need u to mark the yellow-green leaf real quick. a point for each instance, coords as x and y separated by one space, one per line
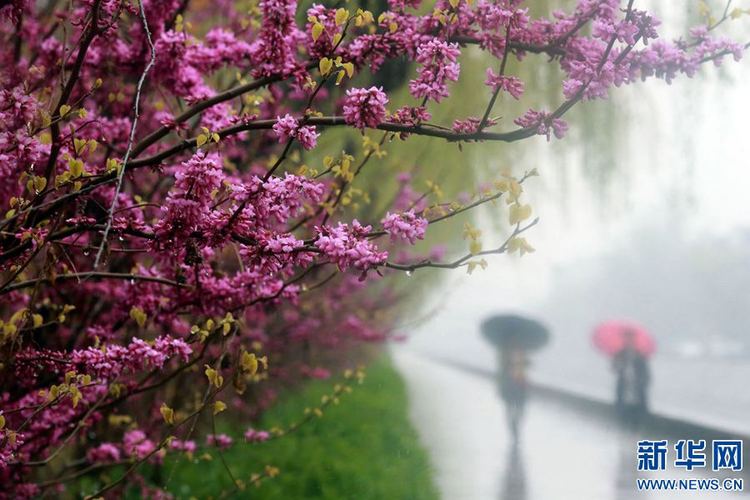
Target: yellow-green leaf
249 362
341 16
46 121
137 314
75 166
167 413
79 144
213 377
76 395
474 264
113 165
317 30
519 213
39 183
475 247
219 406
325 66
520 245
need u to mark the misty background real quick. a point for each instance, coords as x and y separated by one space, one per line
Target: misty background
643 215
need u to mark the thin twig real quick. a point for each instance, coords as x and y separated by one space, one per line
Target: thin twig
134 125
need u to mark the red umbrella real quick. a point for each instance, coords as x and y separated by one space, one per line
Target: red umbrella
611 337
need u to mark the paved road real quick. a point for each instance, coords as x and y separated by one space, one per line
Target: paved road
564 453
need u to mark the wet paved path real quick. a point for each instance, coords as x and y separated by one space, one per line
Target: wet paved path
564 453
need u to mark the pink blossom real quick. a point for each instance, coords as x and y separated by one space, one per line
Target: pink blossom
544 123
254 436
438 252
439 65
187 446
308 137
115 360
470 125
105 452
316 372
510 84
348 246
408 115
221 441
365 107
137 445
287 126
406 226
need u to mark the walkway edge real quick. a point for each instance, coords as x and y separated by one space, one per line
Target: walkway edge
667 425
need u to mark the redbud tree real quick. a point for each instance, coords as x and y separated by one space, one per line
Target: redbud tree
166 252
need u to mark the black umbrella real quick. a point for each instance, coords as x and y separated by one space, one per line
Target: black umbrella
509 330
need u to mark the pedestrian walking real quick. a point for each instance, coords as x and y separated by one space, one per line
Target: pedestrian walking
514 336
630 346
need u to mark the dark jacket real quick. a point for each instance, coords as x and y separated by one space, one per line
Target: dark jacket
633 377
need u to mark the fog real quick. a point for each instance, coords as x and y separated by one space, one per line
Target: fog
643 215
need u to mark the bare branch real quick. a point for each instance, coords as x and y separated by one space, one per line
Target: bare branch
131 138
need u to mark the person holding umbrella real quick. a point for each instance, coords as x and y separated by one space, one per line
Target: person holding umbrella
514 336
630 345
514 385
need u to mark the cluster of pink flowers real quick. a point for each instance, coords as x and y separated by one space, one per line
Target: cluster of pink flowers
510 84
187 446
273 50
111 361
405 226
188 208
323 45
365 108
221 441
543 122
104 453
470 125
136 444
410 115
347 246
439 65
287 127
255 436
